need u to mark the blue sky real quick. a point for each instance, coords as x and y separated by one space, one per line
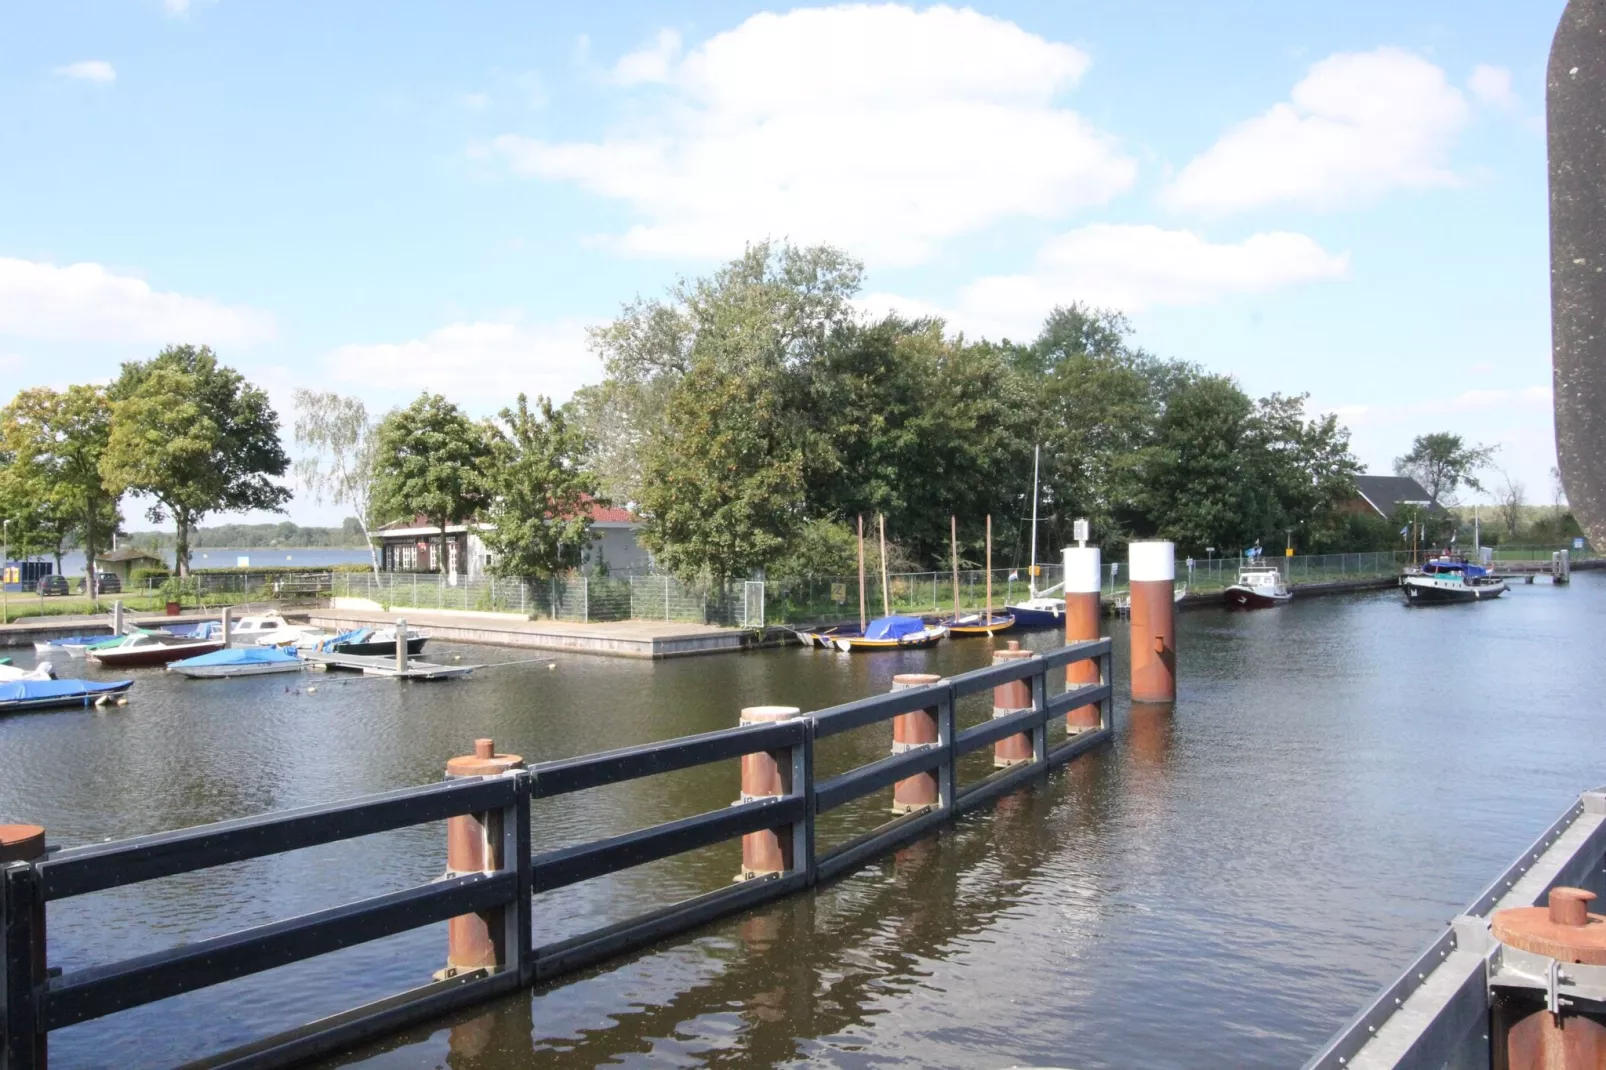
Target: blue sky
1346 200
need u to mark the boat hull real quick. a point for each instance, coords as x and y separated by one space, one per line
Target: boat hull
90 695
1249 598
1432 594
858 643
1036 618
217 672
964 626
141 656
415 645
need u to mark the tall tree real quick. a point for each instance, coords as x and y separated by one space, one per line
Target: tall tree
1442 462
1511 503
338 443
195 436
431 461
57 439
541 492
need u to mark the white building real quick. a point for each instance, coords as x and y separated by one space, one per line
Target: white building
415 546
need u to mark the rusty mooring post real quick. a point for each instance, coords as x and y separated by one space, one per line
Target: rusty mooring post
766 774
1524 1030
1012 698
22 947
1152 567
915 729
474 845
1083 572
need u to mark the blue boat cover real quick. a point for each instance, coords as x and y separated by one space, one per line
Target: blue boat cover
205 629
356 635
894 627
248 655
28 690
85 640
1464 567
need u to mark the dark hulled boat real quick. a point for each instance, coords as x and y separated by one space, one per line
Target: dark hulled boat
1446 580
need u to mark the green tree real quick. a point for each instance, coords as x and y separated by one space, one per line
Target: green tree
1441 463
338 442
431 461
56 439
541 492
196 437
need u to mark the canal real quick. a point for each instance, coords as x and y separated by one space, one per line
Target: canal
1222 887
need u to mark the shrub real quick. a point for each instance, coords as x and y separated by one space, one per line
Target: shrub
143 578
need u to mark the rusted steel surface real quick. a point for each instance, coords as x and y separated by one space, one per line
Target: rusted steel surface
766 774
914 730
1576 124
474 845
21 843
1008 698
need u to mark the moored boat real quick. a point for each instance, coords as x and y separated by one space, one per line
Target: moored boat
370 641
42 671
18 695
151 649
72 646
1038 612
1442 581
892 633
823 637
1258 586
977 624
237 661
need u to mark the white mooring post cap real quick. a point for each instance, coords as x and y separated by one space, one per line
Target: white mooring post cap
1084 570
1152 561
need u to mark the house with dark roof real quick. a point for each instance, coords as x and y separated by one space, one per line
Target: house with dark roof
415 545
122 563
1384 495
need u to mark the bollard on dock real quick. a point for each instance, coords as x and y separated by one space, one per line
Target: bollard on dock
1152 567
228 625
1012 698
766 774
26 843
914 730
1530 1034
1084 572
401 647
474 845
117 618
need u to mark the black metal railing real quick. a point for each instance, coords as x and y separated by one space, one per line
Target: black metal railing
35 1000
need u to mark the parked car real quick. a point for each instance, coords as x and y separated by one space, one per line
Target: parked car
52 584
105 582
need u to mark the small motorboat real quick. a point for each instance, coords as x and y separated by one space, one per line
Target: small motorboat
892 633
237 661
822 637
296 637
151 648
977 624
1258 586
18 695
248 631
71 646
1442 581
373 641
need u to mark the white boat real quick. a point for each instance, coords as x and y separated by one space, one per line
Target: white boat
72 646
248 631
1440 582
43 671
297 636
1258 586
237 661
1038 610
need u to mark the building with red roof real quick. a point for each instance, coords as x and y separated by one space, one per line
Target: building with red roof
415 545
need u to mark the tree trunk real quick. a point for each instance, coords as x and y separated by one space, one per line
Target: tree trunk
445 557
181 545
91 576
373 551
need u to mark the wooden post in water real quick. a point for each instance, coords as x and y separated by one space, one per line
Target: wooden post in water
886 595
953 535
117 617
863 621
401 646
474 845
228 624
766 774
910 730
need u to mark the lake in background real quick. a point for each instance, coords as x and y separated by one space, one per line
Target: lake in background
260 557
1223 886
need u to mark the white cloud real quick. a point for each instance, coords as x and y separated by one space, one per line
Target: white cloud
1492 85
176 7
484 363
88 303
89 70
1358 125
1130 268
880 128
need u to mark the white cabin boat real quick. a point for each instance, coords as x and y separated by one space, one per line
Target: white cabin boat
1259 586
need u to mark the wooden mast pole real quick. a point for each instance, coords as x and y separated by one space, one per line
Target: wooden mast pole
863 623
886 598
989 618
953 536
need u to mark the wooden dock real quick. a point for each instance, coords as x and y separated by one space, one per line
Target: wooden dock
382 665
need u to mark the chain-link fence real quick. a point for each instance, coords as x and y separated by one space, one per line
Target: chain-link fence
574 598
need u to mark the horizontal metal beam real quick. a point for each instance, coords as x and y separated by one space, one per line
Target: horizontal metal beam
1078 744
96 867
879 840
991 676
1081 651
867 711
631 763
101 990
1012 724
1079 696
571 865
565 956
868 778
1004 780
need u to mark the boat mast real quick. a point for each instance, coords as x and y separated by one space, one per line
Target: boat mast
989 618
862 621
953 536
886 600
1031 572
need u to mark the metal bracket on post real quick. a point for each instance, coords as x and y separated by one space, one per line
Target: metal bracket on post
947 778
22 1047
1107 704
518 939
1040 704
803 785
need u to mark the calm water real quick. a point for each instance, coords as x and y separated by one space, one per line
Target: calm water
1222 887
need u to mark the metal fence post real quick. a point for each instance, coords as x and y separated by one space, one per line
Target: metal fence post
516 852
1107 703
803 785
1040 704
947 779
23 1046
585 594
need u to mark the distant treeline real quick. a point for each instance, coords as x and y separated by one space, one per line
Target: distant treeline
286 534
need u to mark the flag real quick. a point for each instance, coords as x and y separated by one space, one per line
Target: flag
1014 574
1406 530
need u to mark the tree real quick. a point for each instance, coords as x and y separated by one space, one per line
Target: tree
541 492
430 462
1442 462
1511 503
337 464
56 440
197 437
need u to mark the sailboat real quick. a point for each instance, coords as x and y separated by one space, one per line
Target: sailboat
1039 610
986 623
887 632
